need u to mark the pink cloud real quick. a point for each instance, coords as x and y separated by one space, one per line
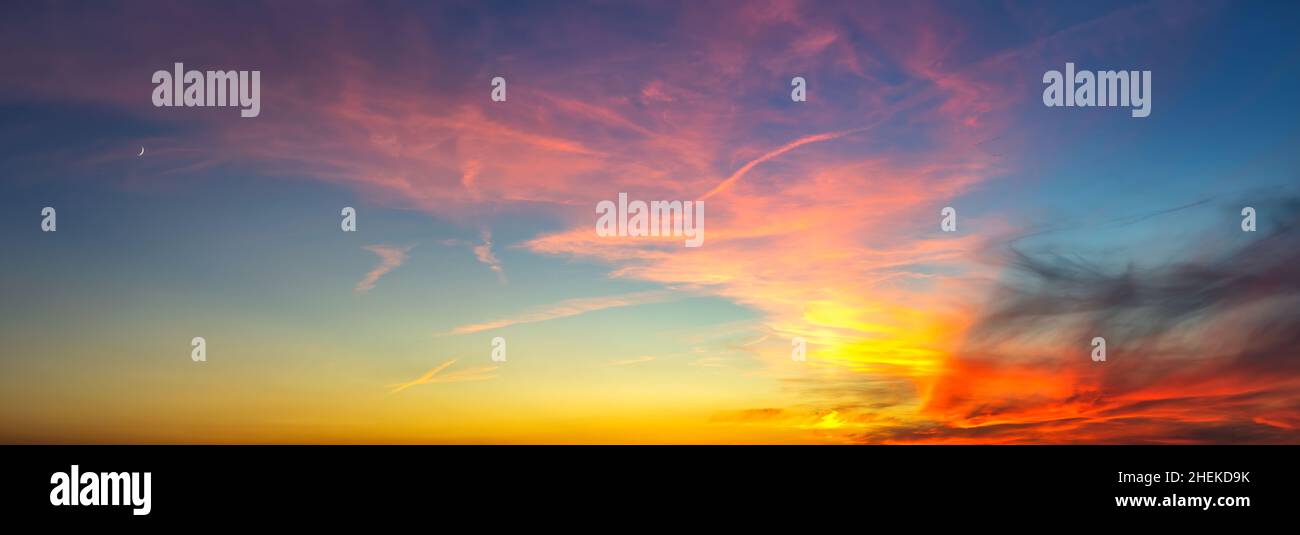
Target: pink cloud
390 257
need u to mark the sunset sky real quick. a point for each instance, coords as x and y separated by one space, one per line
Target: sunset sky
475 220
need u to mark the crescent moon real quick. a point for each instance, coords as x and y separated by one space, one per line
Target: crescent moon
141 152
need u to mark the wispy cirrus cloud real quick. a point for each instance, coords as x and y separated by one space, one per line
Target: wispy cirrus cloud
436 375
483 252
567 308
390 257
740 173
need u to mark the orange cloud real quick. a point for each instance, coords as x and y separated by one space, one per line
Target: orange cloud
435 375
